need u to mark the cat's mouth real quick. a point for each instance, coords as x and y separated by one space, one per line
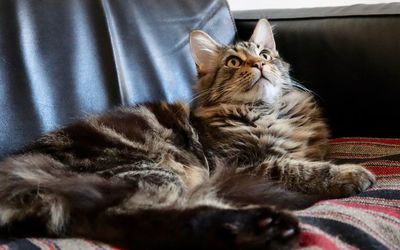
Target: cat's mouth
263 77
261 80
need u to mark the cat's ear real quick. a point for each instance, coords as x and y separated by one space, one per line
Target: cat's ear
204 49
263 35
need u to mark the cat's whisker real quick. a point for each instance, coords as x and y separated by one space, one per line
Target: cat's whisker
198 96
298 85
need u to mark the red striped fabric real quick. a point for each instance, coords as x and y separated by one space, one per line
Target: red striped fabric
370 220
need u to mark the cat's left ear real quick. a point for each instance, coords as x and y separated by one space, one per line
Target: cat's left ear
204 49
263 35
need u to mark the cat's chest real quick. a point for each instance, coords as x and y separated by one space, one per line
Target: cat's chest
261 127
250 132
262 118
265 124
253 123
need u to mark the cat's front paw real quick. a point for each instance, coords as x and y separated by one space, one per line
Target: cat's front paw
351 179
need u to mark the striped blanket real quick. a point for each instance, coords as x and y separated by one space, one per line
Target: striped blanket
370 220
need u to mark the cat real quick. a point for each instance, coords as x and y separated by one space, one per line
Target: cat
221 174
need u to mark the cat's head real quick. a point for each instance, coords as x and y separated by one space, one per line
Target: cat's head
242 73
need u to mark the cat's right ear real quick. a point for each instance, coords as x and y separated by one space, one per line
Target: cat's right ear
204 50
263 35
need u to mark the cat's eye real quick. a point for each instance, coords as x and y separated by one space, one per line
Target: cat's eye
265 55
233 62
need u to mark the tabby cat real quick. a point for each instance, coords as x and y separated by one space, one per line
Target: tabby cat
218 175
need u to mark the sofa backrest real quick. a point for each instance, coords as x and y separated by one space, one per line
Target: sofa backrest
61 60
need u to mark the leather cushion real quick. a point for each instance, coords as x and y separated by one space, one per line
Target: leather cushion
61 60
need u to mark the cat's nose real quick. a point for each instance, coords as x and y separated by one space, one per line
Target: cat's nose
258 65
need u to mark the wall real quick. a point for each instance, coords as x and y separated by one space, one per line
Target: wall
283 4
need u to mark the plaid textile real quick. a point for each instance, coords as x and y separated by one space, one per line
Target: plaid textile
53 244
370 220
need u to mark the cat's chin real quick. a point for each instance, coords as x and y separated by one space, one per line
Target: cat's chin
258 83
261 90
269 92
263 80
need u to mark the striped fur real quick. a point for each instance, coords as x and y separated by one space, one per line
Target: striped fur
165 175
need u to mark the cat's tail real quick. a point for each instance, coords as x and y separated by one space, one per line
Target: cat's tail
37 190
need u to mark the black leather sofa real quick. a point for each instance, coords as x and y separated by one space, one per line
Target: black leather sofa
61 60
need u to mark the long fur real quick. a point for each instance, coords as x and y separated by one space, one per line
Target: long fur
38 187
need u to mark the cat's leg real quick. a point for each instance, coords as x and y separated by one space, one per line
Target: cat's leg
176 207
39 187
202 227
40 197
317 177
38 190
159 183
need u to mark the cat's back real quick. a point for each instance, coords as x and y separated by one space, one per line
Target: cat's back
128 134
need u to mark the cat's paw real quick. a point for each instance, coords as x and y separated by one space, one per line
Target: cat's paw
351 179
256 228
264 228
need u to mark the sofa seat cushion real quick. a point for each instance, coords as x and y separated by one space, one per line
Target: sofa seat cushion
370 220
53 244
